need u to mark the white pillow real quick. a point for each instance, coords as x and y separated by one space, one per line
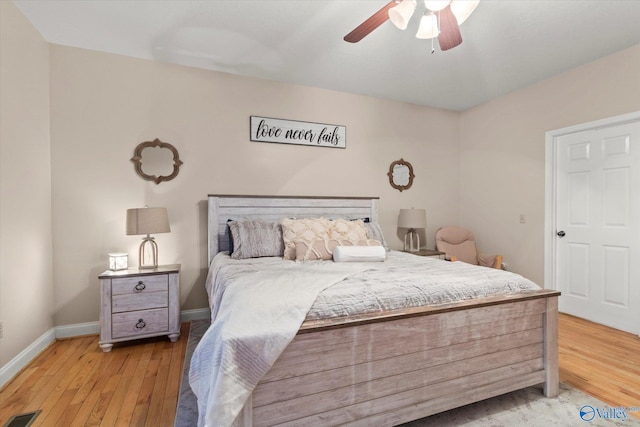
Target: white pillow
359 253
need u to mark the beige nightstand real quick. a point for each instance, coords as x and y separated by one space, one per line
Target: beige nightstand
430 253
138 304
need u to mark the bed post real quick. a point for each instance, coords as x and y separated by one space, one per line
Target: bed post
374 210
212 227
551 378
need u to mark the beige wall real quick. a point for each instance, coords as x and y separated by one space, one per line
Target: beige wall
502 159
104 105
481 168
26 291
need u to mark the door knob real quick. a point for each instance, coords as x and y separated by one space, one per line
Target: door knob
561 233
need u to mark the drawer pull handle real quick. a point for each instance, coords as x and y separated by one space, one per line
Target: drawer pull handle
140 324
140 286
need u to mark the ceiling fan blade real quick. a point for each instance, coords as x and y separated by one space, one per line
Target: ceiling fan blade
374 21
450 36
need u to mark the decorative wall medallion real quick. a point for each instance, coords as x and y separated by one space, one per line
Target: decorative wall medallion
401 175
156 161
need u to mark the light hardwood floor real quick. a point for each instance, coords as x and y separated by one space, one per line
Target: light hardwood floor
75 384
601 361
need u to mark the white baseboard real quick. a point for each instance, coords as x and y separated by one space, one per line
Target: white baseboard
77 330
8 371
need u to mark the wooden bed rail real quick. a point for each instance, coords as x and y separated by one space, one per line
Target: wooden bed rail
343 322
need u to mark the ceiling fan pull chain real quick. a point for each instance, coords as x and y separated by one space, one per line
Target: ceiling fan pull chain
433 49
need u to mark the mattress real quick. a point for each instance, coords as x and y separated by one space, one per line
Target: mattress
404 280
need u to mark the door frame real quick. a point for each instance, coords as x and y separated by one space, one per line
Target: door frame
550 226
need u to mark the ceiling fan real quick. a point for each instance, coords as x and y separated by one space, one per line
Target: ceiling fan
441 19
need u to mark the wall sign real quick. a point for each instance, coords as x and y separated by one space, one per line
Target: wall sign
265 129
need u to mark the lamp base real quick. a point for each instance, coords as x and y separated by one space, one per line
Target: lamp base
412 236
148 259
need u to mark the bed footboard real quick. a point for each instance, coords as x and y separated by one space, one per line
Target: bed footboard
404 366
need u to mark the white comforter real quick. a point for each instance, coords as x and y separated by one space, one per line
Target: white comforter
258 304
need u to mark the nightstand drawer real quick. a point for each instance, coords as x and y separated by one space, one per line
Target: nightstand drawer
141 301
141 322
141 284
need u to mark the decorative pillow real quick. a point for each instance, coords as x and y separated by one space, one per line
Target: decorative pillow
256 238
323 249
353 231
228 237
318 249
375 232
302 230
359 253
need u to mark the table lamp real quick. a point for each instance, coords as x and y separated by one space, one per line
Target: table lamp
147 221
413 219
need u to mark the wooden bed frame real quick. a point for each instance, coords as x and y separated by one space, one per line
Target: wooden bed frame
391 368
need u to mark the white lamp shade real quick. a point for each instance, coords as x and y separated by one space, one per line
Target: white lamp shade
412 218
436 5
147 221
462 9
428 28
401 13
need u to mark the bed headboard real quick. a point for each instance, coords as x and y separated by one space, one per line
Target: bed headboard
274 208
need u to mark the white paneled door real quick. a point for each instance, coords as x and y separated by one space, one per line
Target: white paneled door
597 224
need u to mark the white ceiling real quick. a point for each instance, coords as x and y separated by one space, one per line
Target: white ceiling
508 44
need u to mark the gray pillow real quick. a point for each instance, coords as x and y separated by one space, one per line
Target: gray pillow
256 238
375 232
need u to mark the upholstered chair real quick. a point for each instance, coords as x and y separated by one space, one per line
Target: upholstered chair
459 245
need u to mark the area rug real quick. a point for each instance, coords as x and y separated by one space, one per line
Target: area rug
527 407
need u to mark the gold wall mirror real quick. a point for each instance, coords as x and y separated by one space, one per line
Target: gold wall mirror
156 161
400 175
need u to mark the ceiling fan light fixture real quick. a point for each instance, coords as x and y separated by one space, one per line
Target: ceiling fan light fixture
462 9
401 13
436 5
441 20
428 28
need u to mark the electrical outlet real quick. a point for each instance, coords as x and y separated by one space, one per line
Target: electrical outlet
523 218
